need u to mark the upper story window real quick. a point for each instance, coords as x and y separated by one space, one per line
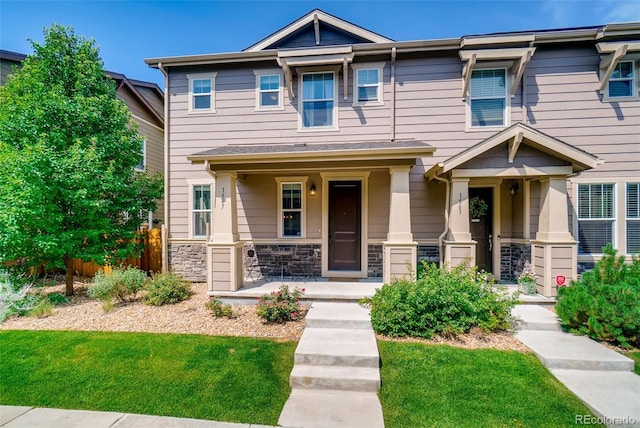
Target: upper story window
619 66
596 217
633 218
268 90
367 85
318 100
202 93
488 100
622 80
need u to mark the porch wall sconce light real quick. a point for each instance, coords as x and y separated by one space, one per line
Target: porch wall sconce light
312 189
513 190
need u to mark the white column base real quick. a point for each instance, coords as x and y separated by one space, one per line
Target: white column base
224 266
399 260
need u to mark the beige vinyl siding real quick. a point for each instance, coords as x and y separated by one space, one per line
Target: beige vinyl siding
154 155
427 206
379 199
153 98
534 207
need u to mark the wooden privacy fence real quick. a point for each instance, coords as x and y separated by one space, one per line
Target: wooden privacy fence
150 260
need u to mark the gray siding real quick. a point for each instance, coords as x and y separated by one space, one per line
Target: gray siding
562 101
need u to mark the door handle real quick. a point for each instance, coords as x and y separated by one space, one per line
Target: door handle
490 242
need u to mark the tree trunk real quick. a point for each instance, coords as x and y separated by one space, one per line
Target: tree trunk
68 262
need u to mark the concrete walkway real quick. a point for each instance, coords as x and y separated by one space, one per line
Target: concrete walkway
22 417
601 378
336 375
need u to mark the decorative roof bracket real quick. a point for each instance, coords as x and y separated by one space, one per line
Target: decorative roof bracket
514 145
608 64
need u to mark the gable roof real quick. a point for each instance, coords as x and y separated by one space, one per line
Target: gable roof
314 18
517 134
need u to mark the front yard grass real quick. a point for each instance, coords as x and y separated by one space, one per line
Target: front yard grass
233 379
442 386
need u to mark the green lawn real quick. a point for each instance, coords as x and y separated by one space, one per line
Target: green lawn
220 378
635 356
442 386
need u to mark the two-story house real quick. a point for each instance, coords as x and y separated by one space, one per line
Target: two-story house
367 155
145 101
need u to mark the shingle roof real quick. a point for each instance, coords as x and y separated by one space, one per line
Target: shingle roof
313 148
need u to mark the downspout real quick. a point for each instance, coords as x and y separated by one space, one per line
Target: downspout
393 94
446 218
165 225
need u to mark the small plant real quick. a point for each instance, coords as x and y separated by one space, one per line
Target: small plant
15 298
57 299
166 288
220 310
527 281
280 306
42 310
121 284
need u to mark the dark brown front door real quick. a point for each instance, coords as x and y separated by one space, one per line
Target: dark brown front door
482 227
344 225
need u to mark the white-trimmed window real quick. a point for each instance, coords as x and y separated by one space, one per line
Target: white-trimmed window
633 218
200 209
367 84
202 92
318 100
488 99
291 206
596 217
622 80
268 90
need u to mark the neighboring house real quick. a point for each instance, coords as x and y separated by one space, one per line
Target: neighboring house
145 101
328 139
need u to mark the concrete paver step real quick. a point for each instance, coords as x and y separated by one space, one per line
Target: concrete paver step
327 409
337 346
336 378
338 315
535 317
558 350
612 396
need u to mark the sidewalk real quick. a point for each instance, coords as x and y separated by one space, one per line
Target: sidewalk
603 379
22 417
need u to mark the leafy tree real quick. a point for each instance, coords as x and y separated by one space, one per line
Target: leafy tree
68 150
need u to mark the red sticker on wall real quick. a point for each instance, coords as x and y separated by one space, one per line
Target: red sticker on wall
560 280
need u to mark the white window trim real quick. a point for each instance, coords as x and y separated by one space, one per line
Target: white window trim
144 156
302 180
202 76
626 215
336 103
615 231
191 185
368 66
270 72
634 59
507 103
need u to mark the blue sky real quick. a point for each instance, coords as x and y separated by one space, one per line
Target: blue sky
129 31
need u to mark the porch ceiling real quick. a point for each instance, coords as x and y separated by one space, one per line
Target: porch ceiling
517 135
372 154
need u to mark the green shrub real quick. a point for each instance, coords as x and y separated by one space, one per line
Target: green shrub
42 310
604 302
441 301
280 306
57 299
165 288
219 310
121 284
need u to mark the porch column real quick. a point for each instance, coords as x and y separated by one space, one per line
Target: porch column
554 251
459 247
224 251
400 250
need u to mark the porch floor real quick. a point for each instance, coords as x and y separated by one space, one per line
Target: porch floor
321 290
339 291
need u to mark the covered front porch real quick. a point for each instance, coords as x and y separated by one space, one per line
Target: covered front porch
507 207
336 211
